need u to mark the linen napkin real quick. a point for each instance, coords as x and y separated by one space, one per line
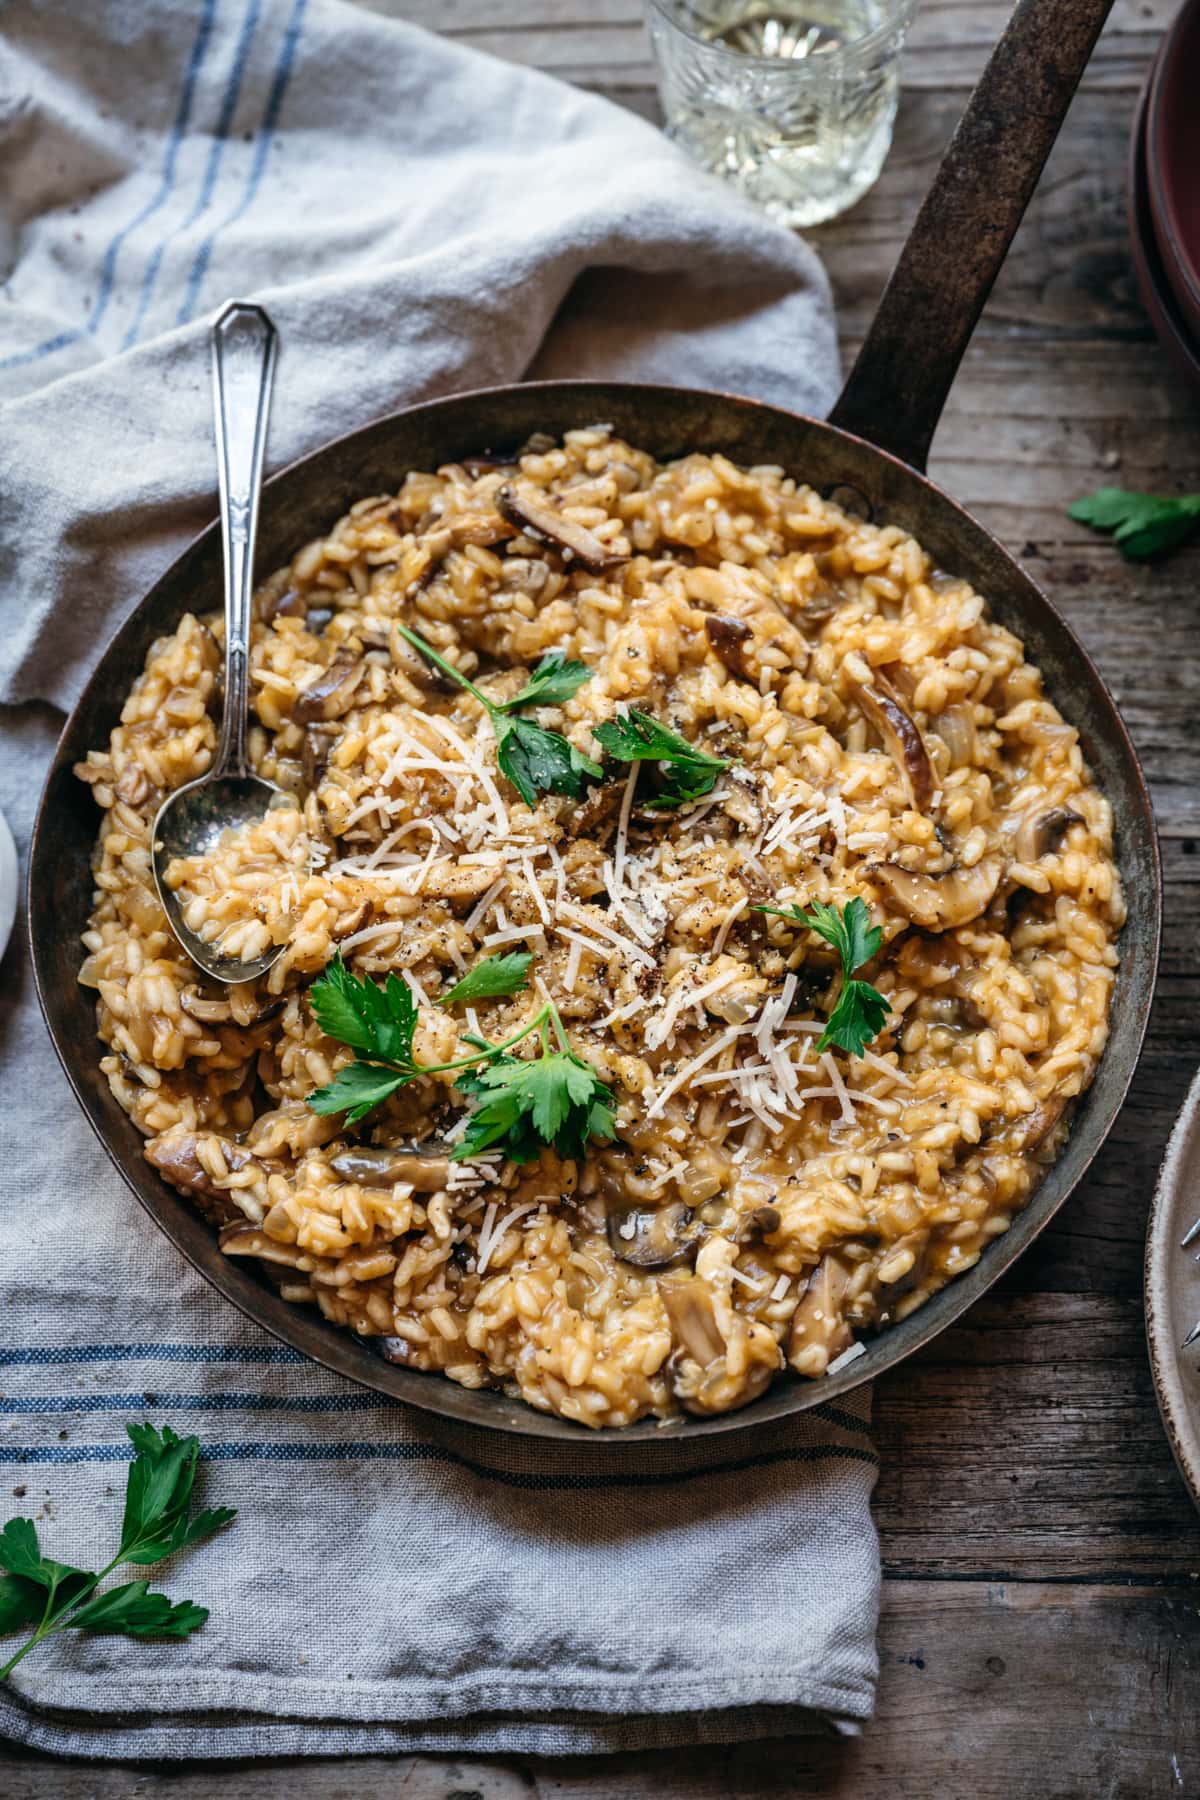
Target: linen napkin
417 218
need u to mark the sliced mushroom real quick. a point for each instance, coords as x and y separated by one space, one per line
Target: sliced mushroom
698 1368
1041 833
437 1353
174 1155
331 694
362 915
956 728
689 1307
212 1011
940 902
657 1238
729 636
314 755
132 785
372 1167
881 704
546 525
526 575
595 816
903 1264
286 605
483 464
199 1006
818 611
762 1222
1034 1128
818 1330
249 1240
317 618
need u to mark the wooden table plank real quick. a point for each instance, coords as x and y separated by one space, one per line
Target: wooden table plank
960 1662
1039 1637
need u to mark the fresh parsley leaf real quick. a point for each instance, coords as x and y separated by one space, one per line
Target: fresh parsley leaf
22 1602
690 772
158 1496
21 1554
554 681
132 1609
53 1596
850 931
378 1023
859 1016
523 1105
490 979
861 1010
535 760
1142 525
356 1090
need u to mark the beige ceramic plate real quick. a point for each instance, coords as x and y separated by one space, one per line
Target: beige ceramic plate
1173 1291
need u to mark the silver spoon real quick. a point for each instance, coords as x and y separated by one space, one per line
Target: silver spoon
190 820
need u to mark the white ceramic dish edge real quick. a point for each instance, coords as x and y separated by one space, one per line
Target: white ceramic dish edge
1173 1291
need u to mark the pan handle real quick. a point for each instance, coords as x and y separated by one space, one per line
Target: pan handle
898 386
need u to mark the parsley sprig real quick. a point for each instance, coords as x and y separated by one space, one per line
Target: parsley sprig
861 1010
556 1098
1142 525
53 1596
523 1104
690 772
536 761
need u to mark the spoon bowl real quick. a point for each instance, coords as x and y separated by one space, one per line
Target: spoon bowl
191 821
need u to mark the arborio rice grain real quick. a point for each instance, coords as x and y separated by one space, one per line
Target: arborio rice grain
764 1205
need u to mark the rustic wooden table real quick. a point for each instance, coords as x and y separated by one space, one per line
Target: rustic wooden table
1041 1627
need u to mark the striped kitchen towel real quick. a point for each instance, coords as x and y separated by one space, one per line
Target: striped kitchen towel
414 216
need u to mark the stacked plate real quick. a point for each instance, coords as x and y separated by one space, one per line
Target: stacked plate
1164 193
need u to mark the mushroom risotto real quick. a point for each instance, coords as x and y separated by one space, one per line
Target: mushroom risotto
696 925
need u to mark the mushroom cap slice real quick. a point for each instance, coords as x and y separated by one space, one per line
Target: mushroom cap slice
940 902
693 1319
545 524
1040 833
175 1154
244 1239
330 695
698 1367
728 636
818 1326
881 704
370 1166
654 1238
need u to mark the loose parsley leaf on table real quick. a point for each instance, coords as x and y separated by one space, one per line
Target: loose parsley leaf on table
1142 525
522 1104
861 1010
535 760
53 1596
691 772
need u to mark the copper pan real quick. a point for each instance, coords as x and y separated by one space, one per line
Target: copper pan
876 444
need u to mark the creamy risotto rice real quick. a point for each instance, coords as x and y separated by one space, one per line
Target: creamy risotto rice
764 1204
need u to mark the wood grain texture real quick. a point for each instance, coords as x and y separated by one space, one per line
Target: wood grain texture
1040 1635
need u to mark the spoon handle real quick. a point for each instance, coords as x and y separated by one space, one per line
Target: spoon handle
243 365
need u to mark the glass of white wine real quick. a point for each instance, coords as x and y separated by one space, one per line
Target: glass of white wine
791 100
